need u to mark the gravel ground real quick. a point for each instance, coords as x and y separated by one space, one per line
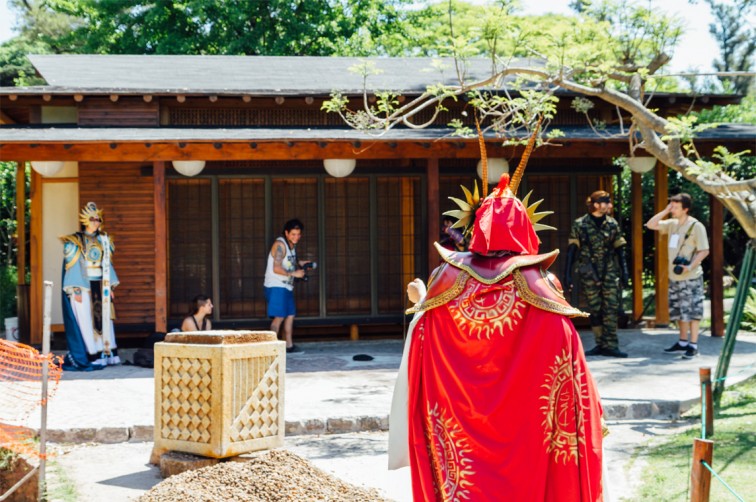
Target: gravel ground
274 476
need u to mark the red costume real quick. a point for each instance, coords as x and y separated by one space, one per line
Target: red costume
500 403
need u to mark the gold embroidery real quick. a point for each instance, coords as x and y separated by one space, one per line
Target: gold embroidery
74 253
523 262
543 303
481 311
564 421
437 301
447 450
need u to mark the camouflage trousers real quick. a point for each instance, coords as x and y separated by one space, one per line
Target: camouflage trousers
603 305
686 299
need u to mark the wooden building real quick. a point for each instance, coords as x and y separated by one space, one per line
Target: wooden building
119 122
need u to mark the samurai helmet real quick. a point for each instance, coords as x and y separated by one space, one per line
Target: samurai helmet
89 213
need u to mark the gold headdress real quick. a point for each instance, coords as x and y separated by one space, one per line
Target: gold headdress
468 208
90 211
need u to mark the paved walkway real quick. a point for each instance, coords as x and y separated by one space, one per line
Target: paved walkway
328 392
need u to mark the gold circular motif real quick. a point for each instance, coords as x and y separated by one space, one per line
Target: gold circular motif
447 449
483 311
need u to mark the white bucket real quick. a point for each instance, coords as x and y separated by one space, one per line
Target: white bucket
11 329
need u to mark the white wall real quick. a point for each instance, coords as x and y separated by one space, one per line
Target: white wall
60 208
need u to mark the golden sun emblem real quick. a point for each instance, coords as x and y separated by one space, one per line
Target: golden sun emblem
447 450
484 311
564 420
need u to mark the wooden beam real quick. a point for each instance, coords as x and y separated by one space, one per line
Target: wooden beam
5 119
238 150
161 248
636 236
716 244
21 221
35 242
661 265
434 212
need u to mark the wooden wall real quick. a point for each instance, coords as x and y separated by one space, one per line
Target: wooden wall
126 195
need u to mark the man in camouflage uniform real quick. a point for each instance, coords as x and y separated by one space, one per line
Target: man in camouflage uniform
597 244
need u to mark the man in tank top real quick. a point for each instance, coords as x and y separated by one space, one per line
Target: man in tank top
283 267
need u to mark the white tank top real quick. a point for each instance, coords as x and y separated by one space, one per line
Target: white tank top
274 280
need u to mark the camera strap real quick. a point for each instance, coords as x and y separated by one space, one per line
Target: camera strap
685 238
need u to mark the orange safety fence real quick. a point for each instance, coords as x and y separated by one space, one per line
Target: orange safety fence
21 369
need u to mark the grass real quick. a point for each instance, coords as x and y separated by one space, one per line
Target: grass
60 487
667 473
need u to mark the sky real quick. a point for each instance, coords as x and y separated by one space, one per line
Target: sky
697 48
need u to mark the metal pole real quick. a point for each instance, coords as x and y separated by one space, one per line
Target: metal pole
736 315
43 426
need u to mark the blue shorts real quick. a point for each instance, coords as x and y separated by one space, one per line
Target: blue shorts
280 302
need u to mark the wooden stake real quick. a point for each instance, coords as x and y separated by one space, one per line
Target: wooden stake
700 476
707 403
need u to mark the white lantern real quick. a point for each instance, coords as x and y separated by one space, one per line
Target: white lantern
496 167
641 164
339 168
47 167
189 167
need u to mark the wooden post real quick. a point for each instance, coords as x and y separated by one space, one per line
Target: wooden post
35 244
661 265
636 222
434 212
21 221
700 476
707 403
161 248
716 245
354 332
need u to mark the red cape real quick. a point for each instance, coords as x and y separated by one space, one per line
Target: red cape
501 403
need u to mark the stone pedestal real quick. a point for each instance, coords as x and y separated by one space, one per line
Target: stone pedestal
219 393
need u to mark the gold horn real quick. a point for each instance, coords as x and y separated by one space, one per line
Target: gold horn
483 158
517 177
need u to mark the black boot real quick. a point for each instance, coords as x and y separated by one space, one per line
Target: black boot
595 351
613 353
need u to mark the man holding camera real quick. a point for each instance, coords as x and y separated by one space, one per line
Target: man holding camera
688 247
597 244
283 268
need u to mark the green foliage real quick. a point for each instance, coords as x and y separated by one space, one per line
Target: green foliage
748 323
742 113
8 282
15 67
273 27
7 459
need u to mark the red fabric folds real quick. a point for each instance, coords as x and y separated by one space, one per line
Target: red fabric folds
502 224
501 403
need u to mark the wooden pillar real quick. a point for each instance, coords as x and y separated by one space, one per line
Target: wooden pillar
661 257
21 221
636 220
434 212
354 332
161 248
700 476
35 245
716 255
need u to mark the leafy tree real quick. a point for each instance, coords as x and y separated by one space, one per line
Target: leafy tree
735 32
252 27
611 53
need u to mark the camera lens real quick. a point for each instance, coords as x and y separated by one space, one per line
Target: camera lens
678 269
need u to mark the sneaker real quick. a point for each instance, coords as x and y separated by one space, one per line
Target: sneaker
690 353
293 348
595 351
613 353
676 348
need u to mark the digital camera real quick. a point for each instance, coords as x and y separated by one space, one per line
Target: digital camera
307 267
678 263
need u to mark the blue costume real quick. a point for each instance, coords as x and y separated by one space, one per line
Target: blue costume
87 279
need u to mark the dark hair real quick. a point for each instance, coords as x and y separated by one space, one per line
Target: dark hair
596 197
197 303
293 224
683 198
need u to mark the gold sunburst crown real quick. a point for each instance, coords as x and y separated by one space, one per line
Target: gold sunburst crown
90 210
469 206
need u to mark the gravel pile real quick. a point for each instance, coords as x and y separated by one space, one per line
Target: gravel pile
277 475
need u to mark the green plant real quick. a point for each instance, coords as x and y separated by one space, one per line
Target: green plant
749 312
8 282
6 459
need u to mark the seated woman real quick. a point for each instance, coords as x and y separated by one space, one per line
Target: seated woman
199 319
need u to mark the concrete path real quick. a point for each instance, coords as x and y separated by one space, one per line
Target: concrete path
330 398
